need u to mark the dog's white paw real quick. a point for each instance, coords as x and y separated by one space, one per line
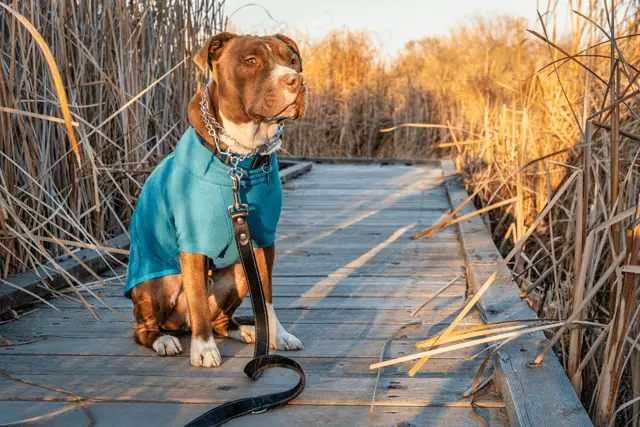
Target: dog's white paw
167 345
244 333
286 341
205 353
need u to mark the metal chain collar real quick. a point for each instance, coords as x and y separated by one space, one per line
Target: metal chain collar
213 127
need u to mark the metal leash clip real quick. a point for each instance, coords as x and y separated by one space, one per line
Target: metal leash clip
235 174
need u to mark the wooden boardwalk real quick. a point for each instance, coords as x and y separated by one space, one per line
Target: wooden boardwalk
346 278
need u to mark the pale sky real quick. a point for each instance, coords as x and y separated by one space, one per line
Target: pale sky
392 22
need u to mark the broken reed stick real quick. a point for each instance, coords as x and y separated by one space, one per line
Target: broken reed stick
476 328
471 334
448 222
404 328
433 230
441 290
428 126
475 387
35 115
455 144
501 266
466 344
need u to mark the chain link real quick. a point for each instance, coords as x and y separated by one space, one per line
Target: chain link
213 127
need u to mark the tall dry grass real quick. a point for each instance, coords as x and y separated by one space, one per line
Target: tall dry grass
124 68
353 93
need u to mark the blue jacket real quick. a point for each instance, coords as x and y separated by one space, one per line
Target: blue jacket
183 208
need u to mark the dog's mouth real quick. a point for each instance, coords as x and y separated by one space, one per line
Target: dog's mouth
293 111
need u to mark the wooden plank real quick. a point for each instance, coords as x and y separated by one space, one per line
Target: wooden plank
304 331
125 346
306 283
354 303
206 388
394 262
338 290
431 163
11 298
108 414
232 367
293 270
362 245
293 169
428 317
556 402
398 255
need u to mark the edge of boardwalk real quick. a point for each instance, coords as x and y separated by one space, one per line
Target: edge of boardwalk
540 396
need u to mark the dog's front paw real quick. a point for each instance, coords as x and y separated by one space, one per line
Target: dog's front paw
244 333
286 341
166 345
205 353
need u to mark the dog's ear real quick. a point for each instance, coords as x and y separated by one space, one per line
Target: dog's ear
292 45
211 50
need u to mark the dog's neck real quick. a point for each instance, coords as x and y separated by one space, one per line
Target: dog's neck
249 133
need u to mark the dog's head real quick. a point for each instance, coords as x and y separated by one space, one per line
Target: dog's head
257 77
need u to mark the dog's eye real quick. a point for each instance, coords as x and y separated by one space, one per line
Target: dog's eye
294 60
250 60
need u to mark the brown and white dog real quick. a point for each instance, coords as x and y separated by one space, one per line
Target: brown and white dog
257 83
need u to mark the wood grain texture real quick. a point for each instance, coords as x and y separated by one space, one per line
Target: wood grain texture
177 415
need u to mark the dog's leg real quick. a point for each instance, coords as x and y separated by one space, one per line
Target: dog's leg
279 338
229 289
204 351
153 301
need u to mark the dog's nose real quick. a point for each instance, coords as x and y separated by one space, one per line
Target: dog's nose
294 81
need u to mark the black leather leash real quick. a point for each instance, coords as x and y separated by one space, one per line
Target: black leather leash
262 360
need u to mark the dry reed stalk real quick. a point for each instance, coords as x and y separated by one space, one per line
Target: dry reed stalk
447 223
466 344
461 336
622 321
441 290
55 75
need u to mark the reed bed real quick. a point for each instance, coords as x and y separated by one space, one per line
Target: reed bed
123 87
